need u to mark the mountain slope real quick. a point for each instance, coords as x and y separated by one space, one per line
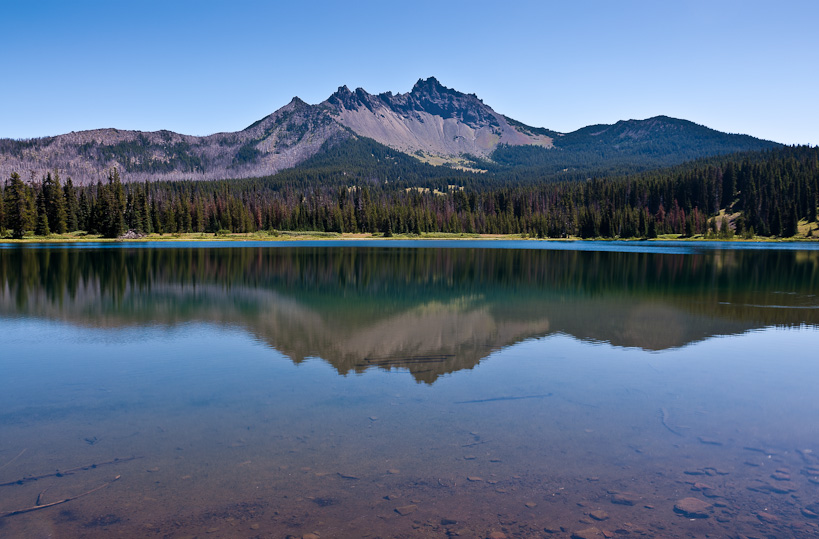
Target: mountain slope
622 148
431 119
433 123
278 141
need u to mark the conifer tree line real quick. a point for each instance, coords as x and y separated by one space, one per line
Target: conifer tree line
764 193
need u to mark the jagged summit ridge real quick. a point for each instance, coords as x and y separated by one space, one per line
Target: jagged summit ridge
430 120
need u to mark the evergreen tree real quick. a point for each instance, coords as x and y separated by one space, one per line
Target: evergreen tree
71 206
729 185
83 212
54 200
156 218
775 226
652 228
790 225
110 206
2 212
725 231
18 217
117 219
41 227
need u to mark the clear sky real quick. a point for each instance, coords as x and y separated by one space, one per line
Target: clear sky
199 67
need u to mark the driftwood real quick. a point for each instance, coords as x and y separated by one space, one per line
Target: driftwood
495 399
61 473
39 506
473 444
20 454
664 419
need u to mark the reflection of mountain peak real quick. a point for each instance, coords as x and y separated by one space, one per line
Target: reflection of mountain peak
429 311
429 340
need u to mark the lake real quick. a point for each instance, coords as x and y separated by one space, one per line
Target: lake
409 389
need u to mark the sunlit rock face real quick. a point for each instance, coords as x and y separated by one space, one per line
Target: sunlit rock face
431 119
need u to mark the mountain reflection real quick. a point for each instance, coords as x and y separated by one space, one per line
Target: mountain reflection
429 310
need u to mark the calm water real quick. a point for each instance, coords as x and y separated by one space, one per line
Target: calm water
409 390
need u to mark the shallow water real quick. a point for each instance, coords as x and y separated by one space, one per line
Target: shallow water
383 391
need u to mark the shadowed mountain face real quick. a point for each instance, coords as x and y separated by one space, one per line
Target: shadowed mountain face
431 122
431 311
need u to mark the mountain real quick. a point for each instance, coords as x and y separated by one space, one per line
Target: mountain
279 141
433 123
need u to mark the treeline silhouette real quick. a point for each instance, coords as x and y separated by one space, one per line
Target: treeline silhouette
763 193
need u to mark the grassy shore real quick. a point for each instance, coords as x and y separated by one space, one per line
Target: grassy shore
273 236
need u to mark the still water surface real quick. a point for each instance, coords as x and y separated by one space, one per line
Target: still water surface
402 390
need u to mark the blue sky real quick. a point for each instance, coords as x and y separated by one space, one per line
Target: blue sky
199 67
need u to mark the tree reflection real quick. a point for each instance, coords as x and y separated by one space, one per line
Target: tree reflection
429 310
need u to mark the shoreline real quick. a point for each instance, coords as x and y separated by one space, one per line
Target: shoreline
331 236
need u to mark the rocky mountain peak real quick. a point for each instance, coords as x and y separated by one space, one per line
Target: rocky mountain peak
345 98
429 86
430 119
429 95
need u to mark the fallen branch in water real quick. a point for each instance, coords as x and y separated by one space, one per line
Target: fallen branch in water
664 419
60 473
52 504
473 444
495 399
20 454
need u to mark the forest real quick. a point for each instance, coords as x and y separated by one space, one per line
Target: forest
369 189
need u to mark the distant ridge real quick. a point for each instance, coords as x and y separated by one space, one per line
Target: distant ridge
433 123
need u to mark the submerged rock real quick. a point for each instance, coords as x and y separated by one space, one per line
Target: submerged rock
405 510
781 475
771 488
693 508
809 513
624 498
767 517
588 533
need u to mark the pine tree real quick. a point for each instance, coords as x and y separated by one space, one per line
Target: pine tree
729 185
156 219
790 224
71 206
652 228
54 200
775 226
111 205
117 219
2 212
18 217
83 212
725 231
41 227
